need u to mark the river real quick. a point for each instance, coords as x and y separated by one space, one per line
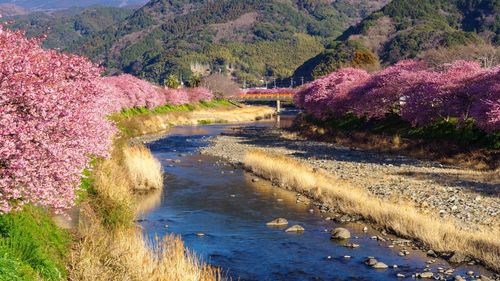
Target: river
202 194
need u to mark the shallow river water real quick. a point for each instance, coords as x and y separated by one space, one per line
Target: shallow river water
204 195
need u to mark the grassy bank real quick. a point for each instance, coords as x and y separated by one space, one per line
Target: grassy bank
142 121
444 140
32 247
398 217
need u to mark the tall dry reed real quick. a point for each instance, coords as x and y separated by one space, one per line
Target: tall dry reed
111 247
143 169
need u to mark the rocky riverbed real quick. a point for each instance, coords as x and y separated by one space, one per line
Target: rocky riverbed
469 197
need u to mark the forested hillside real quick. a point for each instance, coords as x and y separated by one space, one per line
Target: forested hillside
68 27
406 27
44 5
260 40
248 39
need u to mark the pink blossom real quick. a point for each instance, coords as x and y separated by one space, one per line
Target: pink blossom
421 95
53 119
51 122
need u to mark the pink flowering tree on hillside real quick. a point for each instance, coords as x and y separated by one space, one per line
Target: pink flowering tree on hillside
51 122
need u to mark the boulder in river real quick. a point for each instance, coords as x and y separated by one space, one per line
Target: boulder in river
371 261
458 258
340 233
380 265
278 222
431 253
295 228
425 275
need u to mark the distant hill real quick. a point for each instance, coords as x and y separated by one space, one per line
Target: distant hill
68 27
250 39
43 5
406 29
8 10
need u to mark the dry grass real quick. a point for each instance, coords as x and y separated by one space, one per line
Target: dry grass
160 122
110 246
401 218
125 254
143 169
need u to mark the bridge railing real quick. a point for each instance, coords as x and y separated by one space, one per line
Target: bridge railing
257 96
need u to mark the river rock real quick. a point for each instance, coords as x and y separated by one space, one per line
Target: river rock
459 278
340 233
399 275
380 265
278 222
351 245
485 278
371 261
458 258
255 180
425 275
295 228
431 253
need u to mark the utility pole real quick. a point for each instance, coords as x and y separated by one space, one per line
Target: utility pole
291 82
302 80
275 83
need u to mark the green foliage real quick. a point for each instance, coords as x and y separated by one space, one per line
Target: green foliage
166 37
426 24
194 81
338 54
172 82
31 246
65 28
130 112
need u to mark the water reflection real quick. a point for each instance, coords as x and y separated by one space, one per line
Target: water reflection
204 195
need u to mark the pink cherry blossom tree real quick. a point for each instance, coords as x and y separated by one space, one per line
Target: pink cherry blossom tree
51 122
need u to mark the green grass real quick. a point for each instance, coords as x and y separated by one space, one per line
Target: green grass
32 247
208 122
462 134
130 112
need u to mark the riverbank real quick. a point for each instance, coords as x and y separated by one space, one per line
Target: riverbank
444 142
467 199
111 246
140 122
